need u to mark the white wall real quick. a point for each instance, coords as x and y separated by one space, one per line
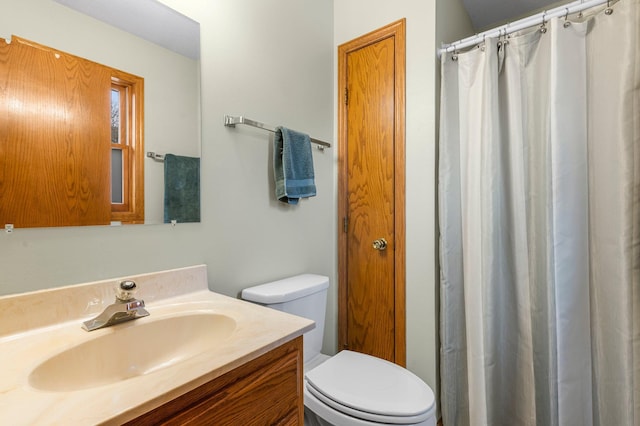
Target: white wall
452 23
271 60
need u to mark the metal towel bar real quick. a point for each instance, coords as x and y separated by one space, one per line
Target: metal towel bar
158 157
231 121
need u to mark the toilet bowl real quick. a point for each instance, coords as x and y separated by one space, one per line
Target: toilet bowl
348 388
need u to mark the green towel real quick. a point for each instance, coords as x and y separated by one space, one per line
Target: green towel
181 189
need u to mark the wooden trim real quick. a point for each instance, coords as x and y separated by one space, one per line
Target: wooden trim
397 31
123 146
400 246
342 196
135 150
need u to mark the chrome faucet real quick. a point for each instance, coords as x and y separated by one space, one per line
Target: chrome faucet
125 308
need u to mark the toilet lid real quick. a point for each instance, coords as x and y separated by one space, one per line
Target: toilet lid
365 384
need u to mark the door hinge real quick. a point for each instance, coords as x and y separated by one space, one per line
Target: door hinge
345 224
346 96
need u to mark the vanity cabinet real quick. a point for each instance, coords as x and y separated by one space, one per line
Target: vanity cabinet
265 391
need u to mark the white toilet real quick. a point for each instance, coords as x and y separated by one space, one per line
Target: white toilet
349 388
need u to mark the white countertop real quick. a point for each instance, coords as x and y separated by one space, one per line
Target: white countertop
25 345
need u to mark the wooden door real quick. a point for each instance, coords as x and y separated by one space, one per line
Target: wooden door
53 172
371 194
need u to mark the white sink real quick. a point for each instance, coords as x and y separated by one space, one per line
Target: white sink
54 372
132 349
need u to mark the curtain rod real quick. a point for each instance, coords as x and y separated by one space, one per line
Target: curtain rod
231 121
511 27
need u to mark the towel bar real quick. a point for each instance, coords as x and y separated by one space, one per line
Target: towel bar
158 157
231 121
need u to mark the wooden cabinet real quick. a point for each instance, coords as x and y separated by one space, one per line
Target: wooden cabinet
265 391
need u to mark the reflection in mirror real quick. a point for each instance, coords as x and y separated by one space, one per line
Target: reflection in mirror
57 120
171 80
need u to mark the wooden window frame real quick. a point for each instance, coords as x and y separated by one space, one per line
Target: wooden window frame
131 210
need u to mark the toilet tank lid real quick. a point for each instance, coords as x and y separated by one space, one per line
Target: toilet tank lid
287 289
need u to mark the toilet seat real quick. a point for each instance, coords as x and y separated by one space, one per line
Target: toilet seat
370 389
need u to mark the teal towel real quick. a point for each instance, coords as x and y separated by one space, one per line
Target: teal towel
181 189
293 166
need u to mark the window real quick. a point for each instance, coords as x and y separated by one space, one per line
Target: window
119 144
127 189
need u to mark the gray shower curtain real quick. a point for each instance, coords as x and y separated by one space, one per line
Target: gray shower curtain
539 206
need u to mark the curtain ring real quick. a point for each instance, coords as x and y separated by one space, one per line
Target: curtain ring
502 37
566 24
580 13
543 27
505 36
609 9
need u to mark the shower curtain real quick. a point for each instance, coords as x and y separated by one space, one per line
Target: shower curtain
539 210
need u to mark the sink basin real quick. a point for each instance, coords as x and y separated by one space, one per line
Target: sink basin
131 349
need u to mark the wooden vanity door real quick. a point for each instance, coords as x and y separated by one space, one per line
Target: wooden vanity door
265 391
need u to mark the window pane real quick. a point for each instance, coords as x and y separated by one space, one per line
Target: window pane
115 116
116 176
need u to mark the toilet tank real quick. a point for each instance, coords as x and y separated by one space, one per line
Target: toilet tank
303 295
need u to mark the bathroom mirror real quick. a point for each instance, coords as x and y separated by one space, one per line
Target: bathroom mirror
144 38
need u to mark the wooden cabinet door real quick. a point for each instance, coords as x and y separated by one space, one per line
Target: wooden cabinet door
265 391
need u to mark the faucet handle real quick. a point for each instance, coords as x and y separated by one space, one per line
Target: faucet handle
126 290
